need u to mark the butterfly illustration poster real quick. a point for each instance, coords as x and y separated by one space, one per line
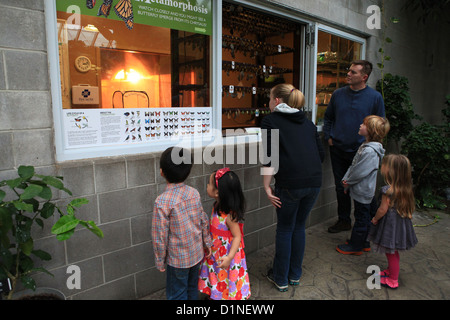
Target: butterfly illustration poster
185 15
111 127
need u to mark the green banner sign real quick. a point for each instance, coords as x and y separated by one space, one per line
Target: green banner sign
186 15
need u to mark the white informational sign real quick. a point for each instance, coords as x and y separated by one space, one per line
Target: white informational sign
108 127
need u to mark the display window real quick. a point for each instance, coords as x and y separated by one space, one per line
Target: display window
126 54
136 76
334 55
259 50
134 71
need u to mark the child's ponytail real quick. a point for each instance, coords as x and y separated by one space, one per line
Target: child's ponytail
231 197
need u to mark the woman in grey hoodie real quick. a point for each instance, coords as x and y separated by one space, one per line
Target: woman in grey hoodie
361 178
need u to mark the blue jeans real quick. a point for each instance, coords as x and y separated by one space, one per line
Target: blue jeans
296 204
363 214
182 283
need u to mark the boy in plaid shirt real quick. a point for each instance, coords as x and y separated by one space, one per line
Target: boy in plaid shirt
180 227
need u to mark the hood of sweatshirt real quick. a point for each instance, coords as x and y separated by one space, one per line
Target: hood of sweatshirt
292 114
378 147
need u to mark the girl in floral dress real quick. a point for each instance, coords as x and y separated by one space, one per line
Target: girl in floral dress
223 275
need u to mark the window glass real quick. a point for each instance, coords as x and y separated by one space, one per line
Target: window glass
260 50
132 71
125 64
334 55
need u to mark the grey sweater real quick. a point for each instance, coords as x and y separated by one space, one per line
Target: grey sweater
361 176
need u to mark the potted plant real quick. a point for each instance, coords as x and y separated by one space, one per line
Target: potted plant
29 204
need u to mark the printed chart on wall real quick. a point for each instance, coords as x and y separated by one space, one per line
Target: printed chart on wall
186 15
108 127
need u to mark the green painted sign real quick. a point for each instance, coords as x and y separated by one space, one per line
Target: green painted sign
186 15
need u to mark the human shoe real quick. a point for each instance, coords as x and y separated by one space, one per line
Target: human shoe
348 249
294 283
389 283
340 226
366 246
271 279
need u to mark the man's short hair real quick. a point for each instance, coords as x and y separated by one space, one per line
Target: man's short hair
367 66
176 164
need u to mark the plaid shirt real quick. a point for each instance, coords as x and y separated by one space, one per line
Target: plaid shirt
180 228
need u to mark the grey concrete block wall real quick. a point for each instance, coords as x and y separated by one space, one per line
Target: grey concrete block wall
121 265
122 190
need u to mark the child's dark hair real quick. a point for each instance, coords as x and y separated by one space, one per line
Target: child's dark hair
231 197
176 164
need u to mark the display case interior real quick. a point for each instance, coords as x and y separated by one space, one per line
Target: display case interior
146 67
258 51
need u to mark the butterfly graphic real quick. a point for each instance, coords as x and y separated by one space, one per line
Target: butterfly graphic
105 8
90 4
124 10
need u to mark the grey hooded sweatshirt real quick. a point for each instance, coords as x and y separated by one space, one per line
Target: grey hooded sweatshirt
361 176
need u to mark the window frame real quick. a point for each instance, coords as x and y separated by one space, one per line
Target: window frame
67 154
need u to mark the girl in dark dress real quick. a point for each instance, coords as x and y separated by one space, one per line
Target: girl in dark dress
392 230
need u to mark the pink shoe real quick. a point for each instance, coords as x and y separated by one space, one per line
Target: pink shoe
389 283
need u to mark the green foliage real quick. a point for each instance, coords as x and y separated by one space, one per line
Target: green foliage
31 204
399 109
427 147
436 10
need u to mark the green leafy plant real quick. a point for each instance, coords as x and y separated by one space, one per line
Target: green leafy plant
399 109
31 204
427 147
436 10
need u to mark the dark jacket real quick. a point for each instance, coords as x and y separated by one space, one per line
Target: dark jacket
300 150
346 111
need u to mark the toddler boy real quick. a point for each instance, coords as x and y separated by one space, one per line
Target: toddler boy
180 228
361 178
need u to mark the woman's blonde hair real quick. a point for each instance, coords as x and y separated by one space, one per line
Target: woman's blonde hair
294 98
377 128
398 176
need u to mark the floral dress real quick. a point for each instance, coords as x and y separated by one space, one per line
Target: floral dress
220 284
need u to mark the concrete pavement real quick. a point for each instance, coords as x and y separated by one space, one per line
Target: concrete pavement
329 275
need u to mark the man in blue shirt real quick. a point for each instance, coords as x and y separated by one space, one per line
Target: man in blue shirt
346 111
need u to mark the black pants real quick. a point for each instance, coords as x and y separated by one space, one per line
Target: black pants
341 161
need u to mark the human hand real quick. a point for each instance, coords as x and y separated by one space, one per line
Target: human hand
330 142
224 262
276 202
374 221
345 185
208 252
